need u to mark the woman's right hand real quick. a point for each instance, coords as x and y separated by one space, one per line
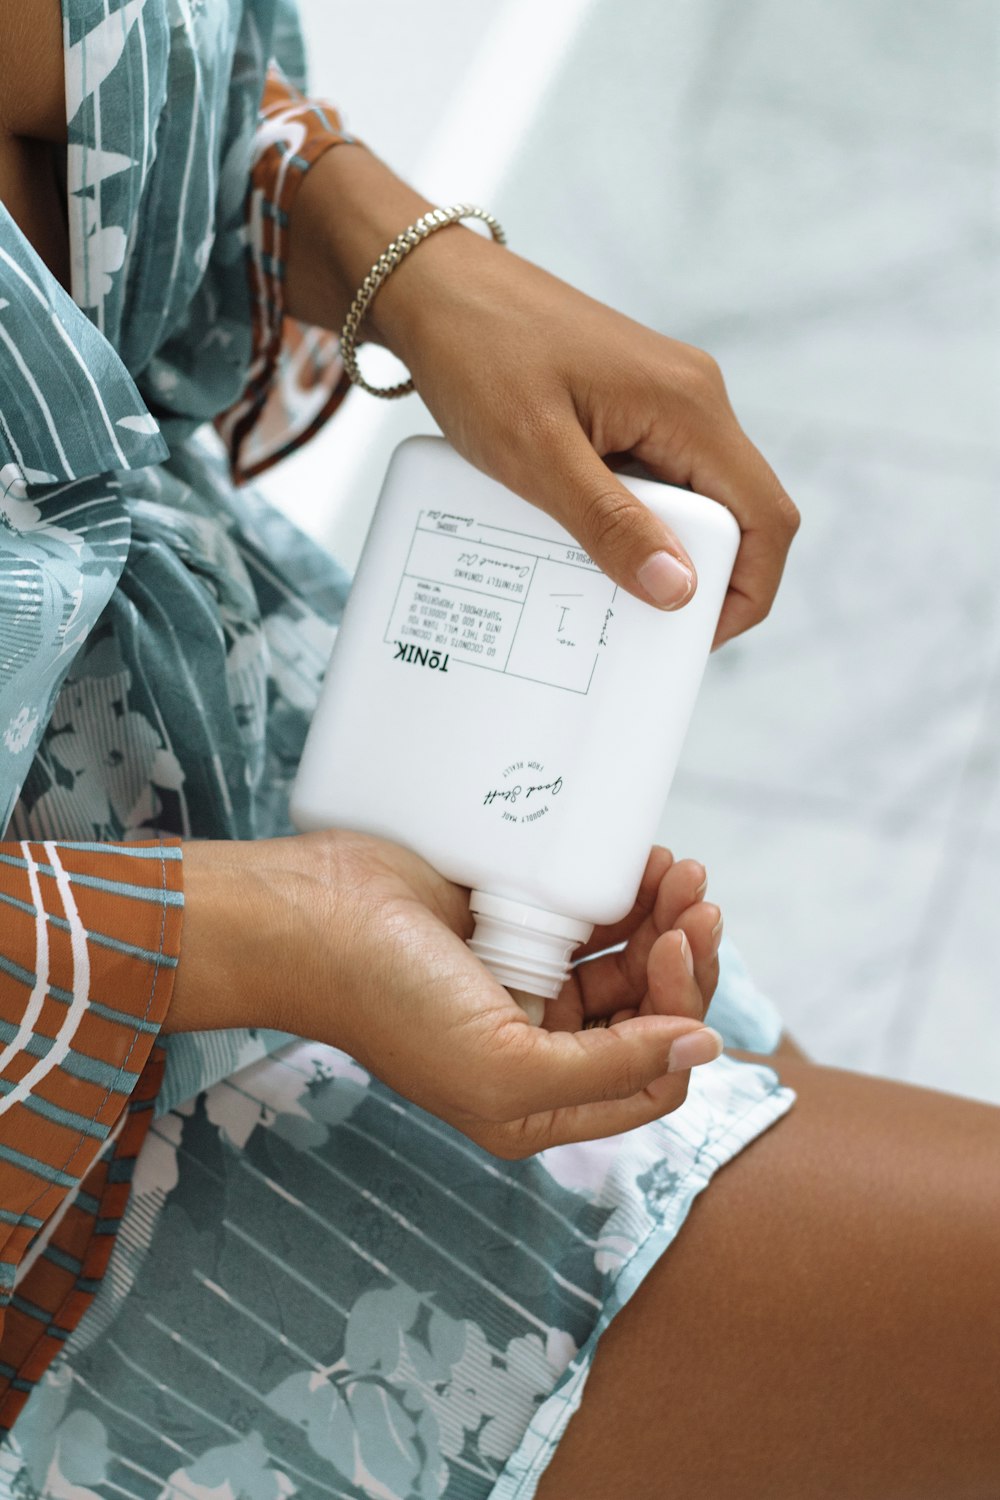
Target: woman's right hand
357 942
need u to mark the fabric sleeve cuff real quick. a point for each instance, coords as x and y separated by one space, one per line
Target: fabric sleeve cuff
90 945
296 379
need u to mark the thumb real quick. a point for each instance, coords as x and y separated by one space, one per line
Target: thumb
638 551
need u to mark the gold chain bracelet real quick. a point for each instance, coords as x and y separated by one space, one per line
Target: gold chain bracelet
437 218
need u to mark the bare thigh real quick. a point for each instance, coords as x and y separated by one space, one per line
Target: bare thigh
826 1325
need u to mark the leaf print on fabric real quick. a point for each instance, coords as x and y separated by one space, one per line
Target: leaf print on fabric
529 1371
88 62
301 643
14 482
67 1450
22 726
366 1415
235 1471
388 1461
612 1251
366 1432
82 1455
337 1086
65 386
247 685
91 165
146 423
22 515
421 1388
300 1095
98 251
108 767
659 1187
313 1403
375 1337
490 1395
55 578
38 1425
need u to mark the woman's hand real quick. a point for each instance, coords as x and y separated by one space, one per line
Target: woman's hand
537 384
356 942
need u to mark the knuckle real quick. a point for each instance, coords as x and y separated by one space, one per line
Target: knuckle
611 522
622 1077
759 612
789 515
704 375
709 366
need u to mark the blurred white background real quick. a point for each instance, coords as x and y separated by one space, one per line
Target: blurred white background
809 191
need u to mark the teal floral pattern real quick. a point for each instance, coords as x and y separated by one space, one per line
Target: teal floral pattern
344 1297
317 1290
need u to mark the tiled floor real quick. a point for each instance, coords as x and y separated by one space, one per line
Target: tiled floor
810 191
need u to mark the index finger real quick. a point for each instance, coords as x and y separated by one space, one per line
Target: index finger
539 1071
768 521
724 465
591 1122
556 1070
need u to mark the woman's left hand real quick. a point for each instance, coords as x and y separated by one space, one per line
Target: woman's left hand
537 384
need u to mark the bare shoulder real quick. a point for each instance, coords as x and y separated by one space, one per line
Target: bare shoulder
32 95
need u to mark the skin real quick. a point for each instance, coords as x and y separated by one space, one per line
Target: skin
826 1325
836 1294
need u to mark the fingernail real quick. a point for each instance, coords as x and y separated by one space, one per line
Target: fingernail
666 580
687 955
703 887
694 1048
717 935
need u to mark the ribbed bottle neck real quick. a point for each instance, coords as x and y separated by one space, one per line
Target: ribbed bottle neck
525 947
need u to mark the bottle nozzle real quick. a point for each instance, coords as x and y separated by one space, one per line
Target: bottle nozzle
527 949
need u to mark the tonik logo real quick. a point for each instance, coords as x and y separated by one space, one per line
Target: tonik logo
420 656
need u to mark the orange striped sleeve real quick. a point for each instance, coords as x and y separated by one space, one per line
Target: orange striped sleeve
89 942
296 380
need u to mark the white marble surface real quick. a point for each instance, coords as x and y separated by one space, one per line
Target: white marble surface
810 191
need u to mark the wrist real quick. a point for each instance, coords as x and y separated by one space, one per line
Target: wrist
222 955
445 275
349 207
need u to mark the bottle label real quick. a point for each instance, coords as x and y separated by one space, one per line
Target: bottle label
502 600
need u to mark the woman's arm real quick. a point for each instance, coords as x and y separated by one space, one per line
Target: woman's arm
89 942
345 939
536 383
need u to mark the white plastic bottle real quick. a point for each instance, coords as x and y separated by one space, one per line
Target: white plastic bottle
496 704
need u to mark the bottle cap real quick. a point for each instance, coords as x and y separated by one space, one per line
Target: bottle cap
524 947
